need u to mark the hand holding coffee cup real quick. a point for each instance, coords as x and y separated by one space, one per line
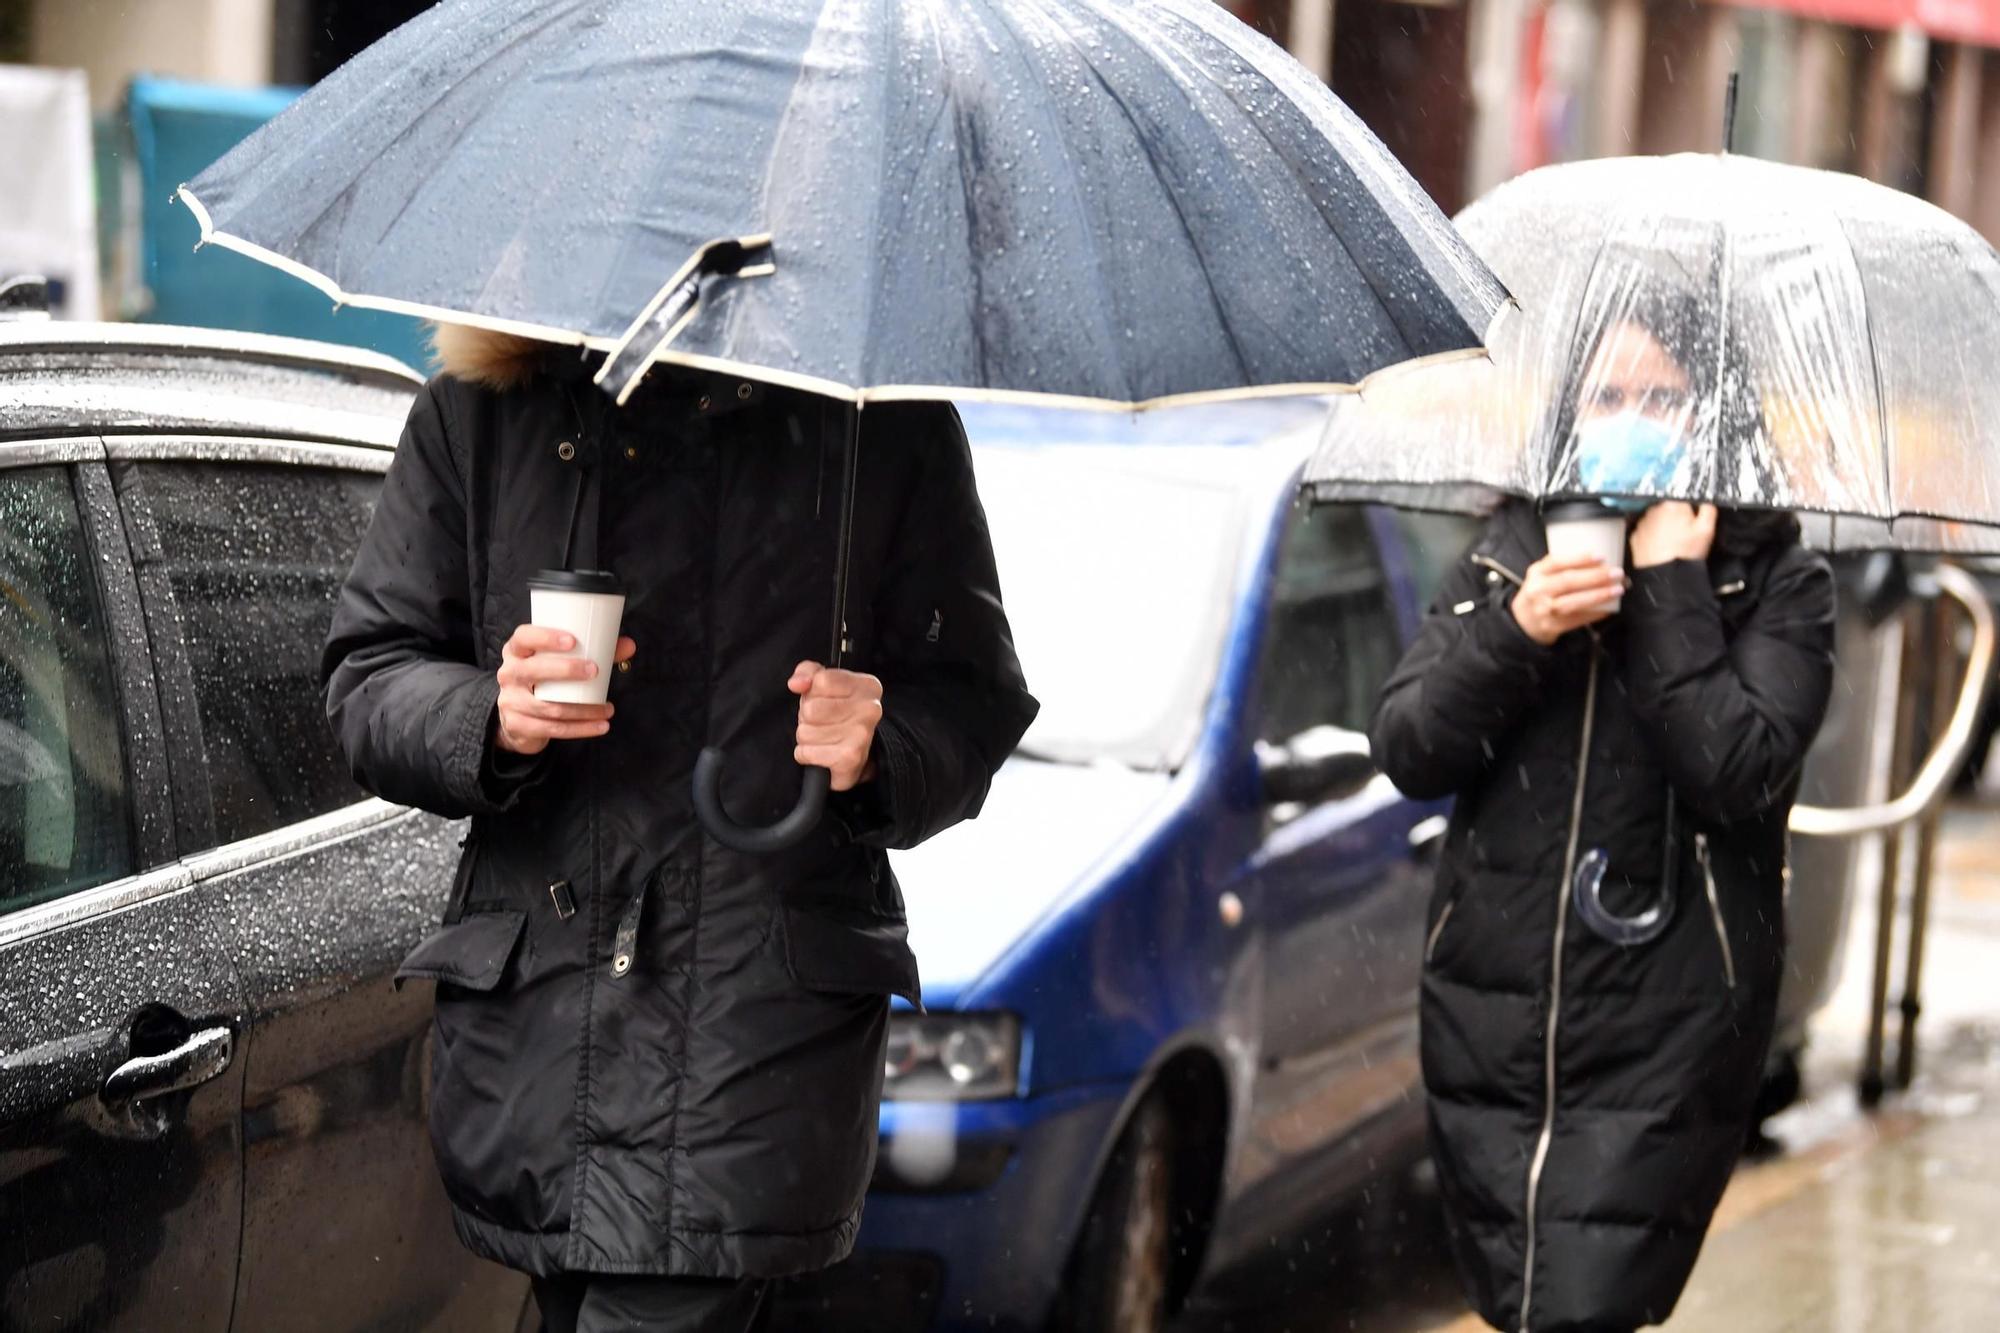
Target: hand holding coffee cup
555 675
1588 529
587 605
1562 593
534 658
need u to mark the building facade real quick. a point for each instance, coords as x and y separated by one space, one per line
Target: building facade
1471 92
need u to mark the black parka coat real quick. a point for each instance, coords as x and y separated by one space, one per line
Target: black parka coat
1588 1100
709 1108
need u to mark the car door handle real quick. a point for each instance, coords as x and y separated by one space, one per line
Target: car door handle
203 1056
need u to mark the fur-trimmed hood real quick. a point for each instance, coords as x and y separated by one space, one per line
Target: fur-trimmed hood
498 361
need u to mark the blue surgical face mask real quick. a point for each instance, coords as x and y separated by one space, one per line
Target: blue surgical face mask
1631 453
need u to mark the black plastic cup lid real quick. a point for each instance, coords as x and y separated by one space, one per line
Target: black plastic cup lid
577 580
1576 511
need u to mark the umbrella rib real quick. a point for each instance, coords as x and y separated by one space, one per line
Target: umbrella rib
952 106
1258 127
872 290
410 200
1180 216
665 167
947 106
966 176
1552 413
1875 365
1353 167
410 124
1069 157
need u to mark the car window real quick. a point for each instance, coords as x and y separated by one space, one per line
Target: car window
1118 576
255 556
1434 543
65 820
1332 639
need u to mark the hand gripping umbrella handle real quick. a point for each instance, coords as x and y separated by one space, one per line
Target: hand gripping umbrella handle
805 816
787 832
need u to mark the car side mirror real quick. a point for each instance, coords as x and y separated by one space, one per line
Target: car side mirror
1322 764
1880 587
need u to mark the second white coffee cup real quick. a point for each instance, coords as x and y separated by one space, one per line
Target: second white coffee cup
588 605
1587 528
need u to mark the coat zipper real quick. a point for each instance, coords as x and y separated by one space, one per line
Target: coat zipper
1488 563
1715 907
1541 1159
1430 945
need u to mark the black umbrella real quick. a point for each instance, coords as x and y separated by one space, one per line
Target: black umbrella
1110 202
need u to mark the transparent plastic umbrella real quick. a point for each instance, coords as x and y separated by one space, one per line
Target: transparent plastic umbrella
1709 328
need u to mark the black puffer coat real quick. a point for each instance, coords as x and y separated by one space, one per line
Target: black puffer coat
1581 1159
712 1110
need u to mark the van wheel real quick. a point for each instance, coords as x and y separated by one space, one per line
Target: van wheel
1119 1275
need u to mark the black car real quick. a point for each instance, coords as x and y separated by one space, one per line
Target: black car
212 1100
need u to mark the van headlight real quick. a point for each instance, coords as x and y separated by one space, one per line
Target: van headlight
952 1057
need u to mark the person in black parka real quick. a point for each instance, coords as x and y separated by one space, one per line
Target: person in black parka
656 1061
1589 1098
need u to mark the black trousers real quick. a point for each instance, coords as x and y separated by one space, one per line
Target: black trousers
599 1303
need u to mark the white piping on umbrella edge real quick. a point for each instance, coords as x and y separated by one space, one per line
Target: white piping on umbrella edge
388 304
885 393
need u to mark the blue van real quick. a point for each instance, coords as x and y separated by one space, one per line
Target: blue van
1172 972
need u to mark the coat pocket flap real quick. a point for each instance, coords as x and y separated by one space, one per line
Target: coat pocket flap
850 950
470 953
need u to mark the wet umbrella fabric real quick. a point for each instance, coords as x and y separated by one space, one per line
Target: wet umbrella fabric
1710 328
1104 200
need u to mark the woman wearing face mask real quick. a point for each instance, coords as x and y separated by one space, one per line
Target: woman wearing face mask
1606 938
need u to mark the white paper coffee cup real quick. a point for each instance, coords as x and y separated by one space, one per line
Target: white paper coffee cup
588 606
1588 529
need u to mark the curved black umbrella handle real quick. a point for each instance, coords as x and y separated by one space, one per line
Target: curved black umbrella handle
813 786
787 832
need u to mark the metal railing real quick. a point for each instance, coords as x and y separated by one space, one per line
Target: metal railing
1928 663
1932 782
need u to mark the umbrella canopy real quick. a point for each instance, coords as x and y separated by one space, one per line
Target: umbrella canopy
1117 201
1709 328
1100 201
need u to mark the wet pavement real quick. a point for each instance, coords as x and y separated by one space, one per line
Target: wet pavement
1890 1224
1884 1223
